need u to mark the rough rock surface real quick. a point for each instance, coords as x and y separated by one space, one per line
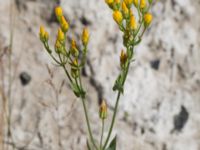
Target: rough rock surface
161 104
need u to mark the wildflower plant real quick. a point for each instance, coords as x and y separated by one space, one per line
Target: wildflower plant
133 24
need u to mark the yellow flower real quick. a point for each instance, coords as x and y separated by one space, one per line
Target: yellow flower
133 23
135 2
109 2
128 2
85 36
44 36
58 12
64 24
60 36
125 10
123 57
103 110
117 2
142 4
117 15
147 19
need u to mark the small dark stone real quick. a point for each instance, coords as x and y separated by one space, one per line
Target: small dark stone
85 21
155 64
25 78
180 119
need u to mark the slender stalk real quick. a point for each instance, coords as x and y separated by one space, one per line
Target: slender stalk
102 131
116 107
113 120
66 71
88 123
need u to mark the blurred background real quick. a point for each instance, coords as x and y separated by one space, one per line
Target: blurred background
160 108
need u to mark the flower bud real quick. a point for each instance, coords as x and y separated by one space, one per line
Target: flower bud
142 4
44 36
147 19
59 47
133 23
58 12
73 50
85 36
103 110
128 2
123 57
135 2
117 16
117 2
74 68
60 36
125 10
64 24
109 2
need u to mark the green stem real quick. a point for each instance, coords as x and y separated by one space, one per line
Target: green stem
86 113
113 120
88 123
116 107
66 71
102 131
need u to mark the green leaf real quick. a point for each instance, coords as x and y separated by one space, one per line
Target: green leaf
75 89
118 84
113 144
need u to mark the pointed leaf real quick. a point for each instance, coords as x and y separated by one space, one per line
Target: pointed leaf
113 144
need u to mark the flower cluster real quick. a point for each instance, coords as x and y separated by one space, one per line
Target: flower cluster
67 56
72 59
133 25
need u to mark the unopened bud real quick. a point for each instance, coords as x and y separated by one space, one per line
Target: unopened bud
125 10
147 19
133 23
64 24
103 110
128 2
135 2
123 57
117 15
109 2
85 36
44 36
142 4
73 50
58 12
61 35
